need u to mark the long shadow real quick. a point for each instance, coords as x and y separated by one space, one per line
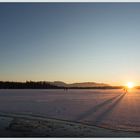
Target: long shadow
104 114
96 108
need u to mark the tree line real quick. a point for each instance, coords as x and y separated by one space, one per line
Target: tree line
26 85
44 85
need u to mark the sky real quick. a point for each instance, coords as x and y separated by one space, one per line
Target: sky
70 42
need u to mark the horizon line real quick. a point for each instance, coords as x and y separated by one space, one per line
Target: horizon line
63 82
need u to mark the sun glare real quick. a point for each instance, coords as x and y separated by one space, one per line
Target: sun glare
130 84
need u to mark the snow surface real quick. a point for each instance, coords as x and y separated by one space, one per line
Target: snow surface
105 108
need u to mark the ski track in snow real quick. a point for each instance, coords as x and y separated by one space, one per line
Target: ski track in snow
105 108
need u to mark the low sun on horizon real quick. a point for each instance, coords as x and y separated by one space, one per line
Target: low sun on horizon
130 84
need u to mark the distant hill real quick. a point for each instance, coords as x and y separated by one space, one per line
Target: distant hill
88 84
83 84
54 85
58 83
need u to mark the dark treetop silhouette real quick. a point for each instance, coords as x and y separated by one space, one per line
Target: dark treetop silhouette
46 85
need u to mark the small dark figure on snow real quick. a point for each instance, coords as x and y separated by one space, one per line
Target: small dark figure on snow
125 90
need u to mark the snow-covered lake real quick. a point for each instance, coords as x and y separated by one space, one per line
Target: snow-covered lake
107 108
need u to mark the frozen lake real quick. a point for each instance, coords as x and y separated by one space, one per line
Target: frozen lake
107 108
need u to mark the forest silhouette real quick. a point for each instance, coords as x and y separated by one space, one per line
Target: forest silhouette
45 85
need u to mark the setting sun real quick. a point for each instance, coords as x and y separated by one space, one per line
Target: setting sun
130 84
